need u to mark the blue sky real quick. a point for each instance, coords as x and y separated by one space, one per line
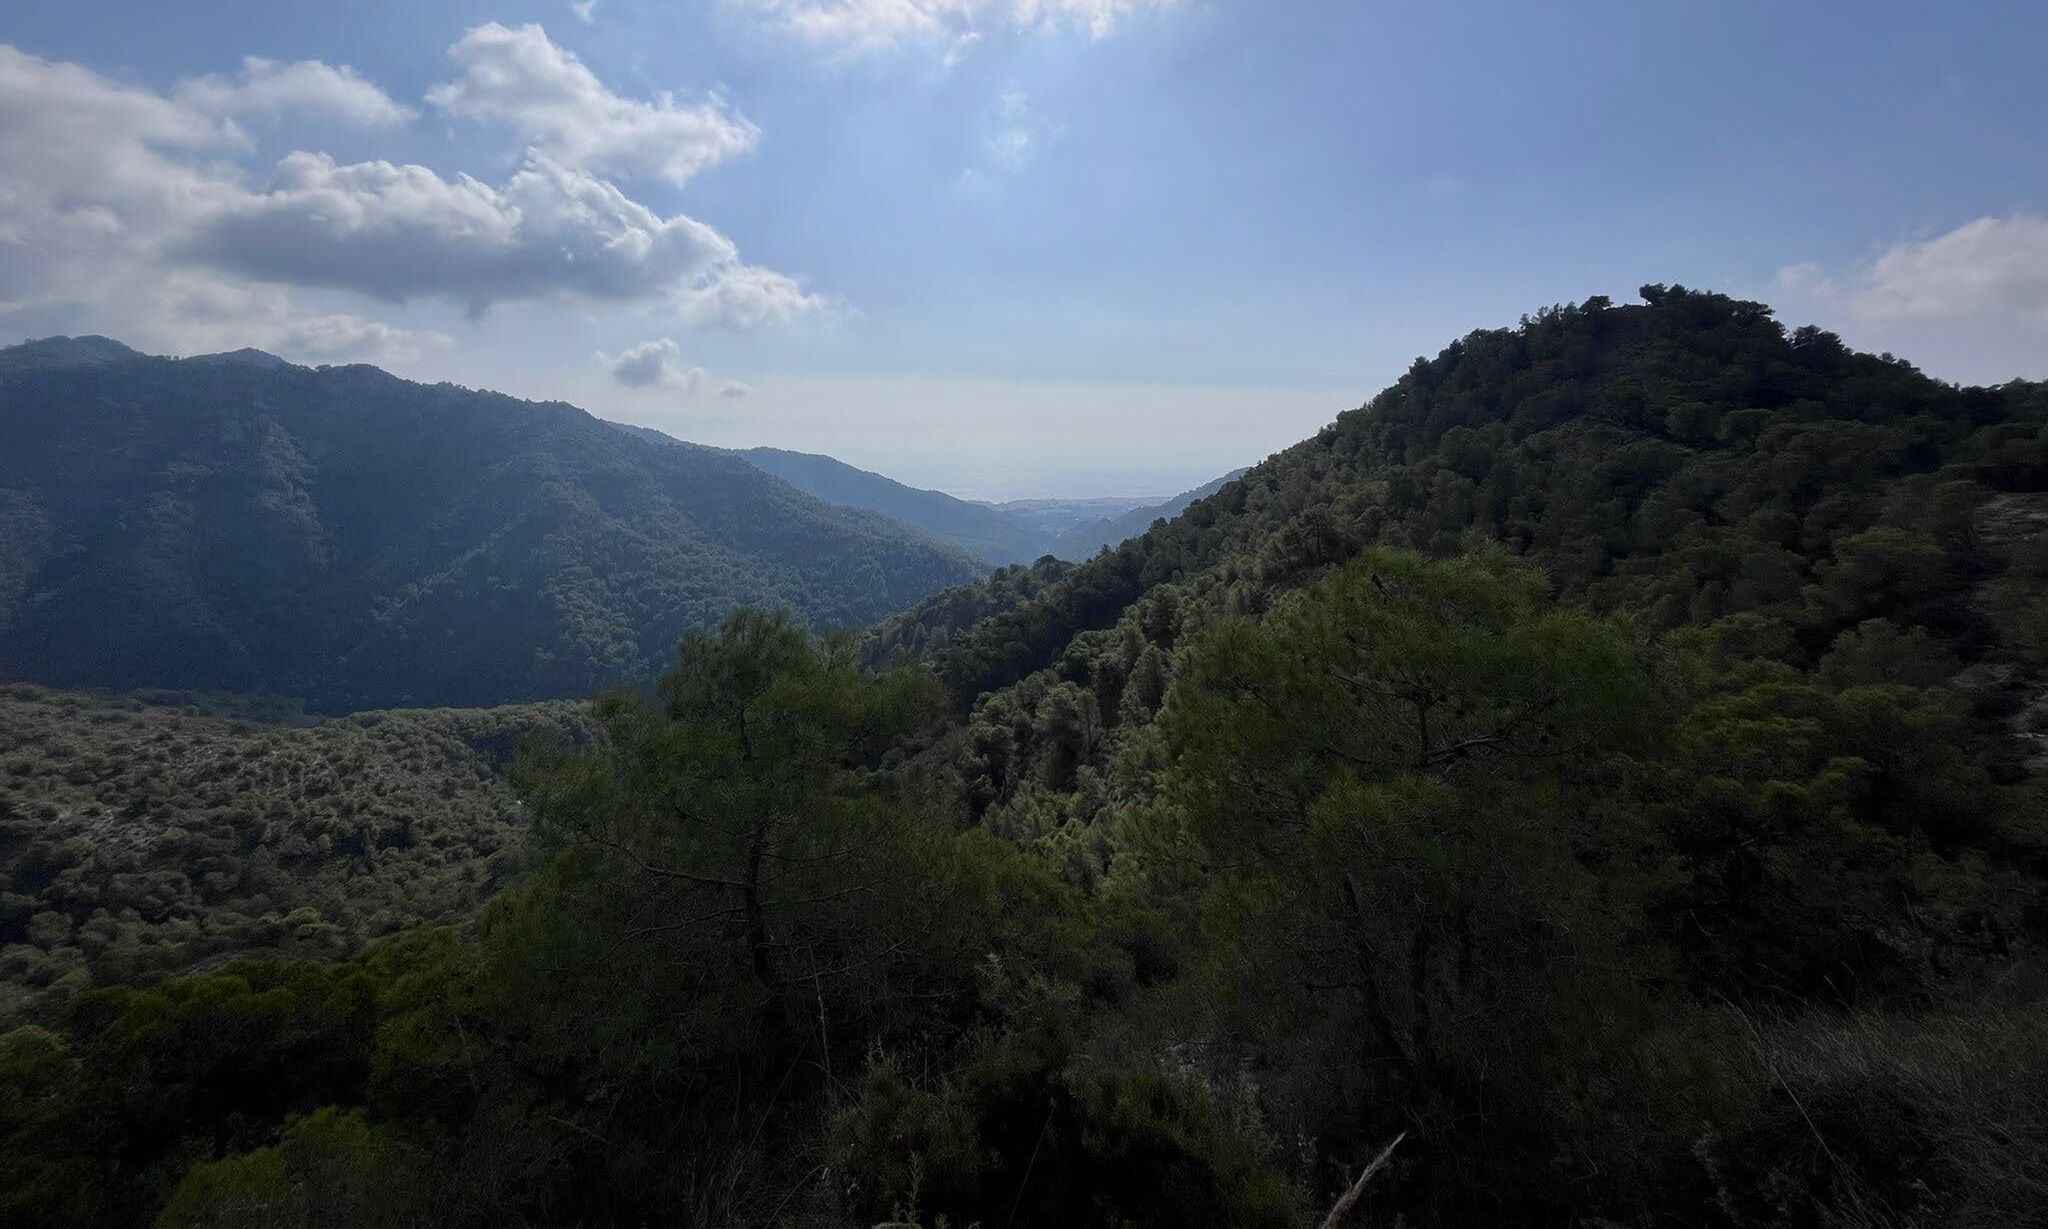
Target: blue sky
1007 247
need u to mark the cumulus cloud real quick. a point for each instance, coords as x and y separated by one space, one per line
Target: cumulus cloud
95 178
69 135
518 77
269 90
403 232
744 297
735 388
654 364
1992 266
870 25
122 210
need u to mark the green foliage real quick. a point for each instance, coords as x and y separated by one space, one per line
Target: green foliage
1793 777
330 1168
747 895
1024 1136
99 1123
1685 461
140 839
1837 844
939 617
1385 799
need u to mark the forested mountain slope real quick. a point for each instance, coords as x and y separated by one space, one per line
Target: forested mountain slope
1726 705
142 835
1598 783
934 622
978 528
359 540
1684 459
981 530
1083 540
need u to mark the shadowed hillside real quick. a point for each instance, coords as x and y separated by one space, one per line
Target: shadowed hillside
983 531
1082 541
359 540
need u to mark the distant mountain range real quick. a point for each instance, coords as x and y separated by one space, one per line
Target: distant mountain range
1018 531
1084 540
983 531
1053 517
235 522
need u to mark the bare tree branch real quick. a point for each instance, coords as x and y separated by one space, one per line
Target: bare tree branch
1351 1197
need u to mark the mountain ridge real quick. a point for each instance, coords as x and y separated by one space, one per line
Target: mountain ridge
977 528
1084 540
1003 533
1535 452
366 541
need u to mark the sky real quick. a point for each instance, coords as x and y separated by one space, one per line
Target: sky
1007 248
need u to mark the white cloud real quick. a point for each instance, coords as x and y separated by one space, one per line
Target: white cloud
655 364
95 178
268 89
1994 266
69 135
122 211
342 336
744 297
403 232
735 388
585 10
871 25
517 77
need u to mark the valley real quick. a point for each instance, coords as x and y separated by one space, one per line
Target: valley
1606 763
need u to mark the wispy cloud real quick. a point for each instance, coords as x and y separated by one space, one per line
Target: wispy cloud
1020 135
855 26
